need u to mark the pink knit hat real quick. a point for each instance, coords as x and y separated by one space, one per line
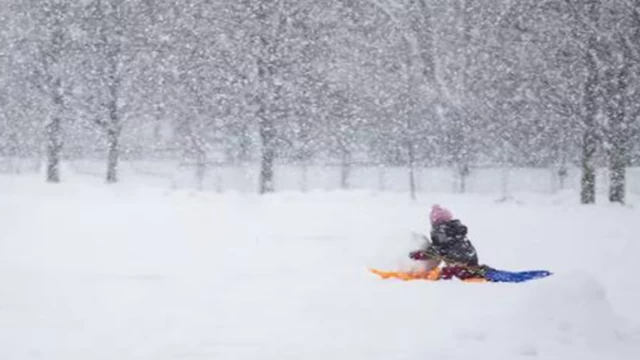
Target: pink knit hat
439 215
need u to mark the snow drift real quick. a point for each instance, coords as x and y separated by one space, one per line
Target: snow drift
95 272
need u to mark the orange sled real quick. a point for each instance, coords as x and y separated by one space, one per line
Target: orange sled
432 275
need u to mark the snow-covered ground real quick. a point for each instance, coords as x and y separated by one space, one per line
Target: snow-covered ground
89 271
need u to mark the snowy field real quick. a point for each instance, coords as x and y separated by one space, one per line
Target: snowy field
244 178
140 271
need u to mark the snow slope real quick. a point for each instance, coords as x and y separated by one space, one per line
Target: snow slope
89 272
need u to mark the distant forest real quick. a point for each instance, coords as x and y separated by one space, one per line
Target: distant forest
415 83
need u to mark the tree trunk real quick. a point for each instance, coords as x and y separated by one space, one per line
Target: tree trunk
589 137
619 133
617 175
113 137
245 144
562 176
54 149
588 180
201 168
425 40
270 97
267 135
54 135
411 165
464 175
112 157
345 169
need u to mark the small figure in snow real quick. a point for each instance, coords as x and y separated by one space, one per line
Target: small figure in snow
449 244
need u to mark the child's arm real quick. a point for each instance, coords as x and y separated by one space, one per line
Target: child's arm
429 255
428 251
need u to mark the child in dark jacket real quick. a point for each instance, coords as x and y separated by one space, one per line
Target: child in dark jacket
449 244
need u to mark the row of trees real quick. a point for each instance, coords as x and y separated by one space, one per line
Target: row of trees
592 78
404 82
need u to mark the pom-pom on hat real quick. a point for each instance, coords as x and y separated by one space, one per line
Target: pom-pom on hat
439 215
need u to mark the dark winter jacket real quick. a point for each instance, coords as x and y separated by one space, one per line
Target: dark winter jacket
450 244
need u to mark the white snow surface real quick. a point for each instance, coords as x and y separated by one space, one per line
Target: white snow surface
90 271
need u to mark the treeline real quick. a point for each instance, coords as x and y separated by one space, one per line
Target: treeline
393 82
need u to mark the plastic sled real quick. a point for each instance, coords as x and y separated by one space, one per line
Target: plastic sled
491 276
433 275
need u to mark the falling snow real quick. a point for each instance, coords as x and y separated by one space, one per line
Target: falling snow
206 84
211 178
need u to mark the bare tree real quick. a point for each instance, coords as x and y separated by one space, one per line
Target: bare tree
51 76
566 34
621 62
109 24
270 28
413 30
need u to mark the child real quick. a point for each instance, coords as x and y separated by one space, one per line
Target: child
449 244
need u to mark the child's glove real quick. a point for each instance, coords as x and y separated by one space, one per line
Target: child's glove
418 255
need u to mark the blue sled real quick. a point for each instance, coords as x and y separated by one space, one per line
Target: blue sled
494 275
